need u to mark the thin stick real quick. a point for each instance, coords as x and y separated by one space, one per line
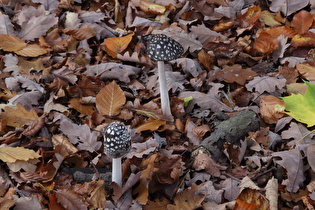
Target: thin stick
117 171
165 100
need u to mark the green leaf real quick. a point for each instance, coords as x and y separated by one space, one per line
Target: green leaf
302 107
186 100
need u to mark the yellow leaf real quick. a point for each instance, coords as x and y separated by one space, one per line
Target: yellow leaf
116 45
110 99
151 125
12 154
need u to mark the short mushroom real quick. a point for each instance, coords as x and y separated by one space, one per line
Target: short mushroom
117 143
161 48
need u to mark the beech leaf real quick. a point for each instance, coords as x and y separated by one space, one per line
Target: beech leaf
110 99
116 45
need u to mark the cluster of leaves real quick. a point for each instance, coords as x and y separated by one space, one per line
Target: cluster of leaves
70 67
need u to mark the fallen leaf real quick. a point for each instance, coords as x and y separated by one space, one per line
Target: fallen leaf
271 109
82 33
116 45
187 199
110 99
265 43
301 107
306 70
151 124
291 161
12 154
151 8
265 83
272 193
302 21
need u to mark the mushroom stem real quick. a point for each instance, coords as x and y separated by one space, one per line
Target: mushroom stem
117 171
165 101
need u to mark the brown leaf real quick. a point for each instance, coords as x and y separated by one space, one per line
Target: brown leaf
240 205
265 83
35 126
306 70
265 43
116 45
250 16
281 30
187 199
11 43
222 26
110 99
82 33
70 200
18 116
83 109
271 109
145 178
151 124
305 40
158 204
204 162
302 21
236 74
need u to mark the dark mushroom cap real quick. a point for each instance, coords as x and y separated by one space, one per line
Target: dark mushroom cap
117 140
159 47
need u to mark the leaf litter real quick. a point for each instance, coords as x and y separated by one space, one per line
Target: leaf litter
71 67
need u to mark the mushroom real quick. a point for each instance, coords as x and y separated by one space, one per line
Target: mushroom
117 143
161 48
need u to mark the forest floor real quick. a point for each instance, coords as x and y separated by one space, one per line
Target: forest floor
241 96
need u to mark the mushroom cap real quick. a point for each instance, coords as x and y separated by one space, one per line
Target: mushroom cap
117 140
159 47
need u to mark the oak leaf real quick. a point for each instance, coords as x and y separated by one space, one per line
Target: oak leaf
187 199
265 83
12 154
110 99
291 160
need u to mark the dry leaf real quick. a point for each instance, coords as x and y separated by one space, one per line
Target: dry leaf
12 154
306 70
14 44
151 8
18 116
271 109
116 45
265 43
110 99
302 21
272 193
82 33
151 124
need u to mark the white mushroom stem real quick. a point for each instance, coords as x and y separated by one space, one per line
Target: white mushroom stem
165 100
117 171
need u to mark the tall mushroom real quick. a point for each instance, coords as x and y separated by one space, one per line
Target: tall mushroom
161 48
117 143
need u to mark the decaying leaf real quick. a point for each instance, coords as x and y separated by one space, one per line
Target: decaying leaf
110 99
265 43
